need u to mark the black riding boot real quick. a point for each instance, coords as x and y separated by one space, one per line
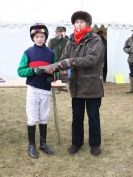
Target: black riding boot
43 134
32 147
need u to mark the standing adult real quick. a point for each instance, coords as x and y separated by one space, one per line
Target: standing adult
57 44
128 48
84 54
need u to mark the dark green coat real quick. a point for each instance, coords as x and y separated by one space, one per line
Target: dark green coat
57 45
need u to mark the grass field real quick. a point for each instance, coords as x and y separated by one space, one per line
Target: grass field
116 159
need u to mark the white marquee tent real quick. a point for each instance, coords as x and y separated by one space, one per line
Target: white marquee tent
15 39
117 59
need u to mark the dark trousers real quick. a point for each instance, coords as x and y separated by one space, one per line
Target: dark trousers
78 108
131 70
105 69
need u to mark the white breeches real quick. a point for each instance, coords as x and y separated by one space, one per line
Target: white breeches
38 105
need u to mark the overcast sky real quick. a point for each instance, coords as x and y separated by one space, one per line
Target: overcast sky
102 11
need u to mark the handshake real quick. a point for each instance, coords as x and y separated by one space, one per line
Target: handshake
50 69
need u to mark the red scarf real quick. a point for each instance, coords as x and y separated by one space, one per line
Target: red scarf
79 35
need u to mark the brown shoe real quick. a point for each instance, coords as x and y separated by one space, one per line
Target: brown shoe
95 150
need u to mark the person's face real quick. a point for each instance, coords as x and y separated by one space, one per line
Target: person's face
39 39
64 33
58 34
80 24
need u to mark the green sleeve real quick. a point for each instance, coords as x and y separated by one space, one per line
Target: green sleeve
23 69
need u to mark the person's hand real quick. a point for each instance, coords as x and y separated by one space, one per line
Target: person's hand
48 69
55 66
64 64
38 71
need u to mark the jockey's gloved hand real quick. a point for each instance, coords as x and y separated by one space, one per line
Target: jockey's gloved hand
47 69
38 71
